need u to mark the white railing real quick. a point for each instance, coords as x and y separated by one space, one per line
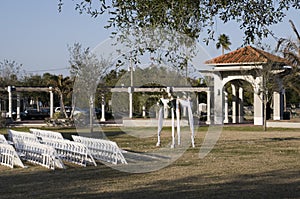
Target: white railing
38 153
100 149
48 134
70 151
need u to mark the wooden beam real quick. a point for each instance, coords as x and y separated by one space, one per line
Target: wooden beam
28 89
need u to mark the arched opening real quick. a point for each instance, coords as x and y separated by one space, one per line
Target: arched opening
238 102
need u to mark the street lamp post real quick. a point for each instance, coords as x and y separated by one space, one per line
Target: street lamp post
130 90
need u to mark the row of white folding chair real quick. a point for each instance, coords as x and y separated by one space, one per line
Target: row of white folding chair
38 153
9 157
18 135
101 149
71 151
48 134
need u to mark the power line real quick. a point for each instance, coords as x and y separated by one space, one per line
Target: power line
45 70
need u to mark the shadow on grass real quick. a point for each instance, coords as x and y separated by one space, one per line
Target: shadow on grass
104 182
283 139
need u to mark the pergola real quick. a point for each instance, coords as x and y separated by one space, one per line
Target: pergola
18 89
167 89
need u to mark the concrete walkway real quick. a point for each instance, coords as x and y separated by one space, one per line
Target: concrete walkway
283 124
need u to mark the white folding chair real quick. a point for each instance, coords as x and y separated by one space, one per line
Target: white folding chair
45 133
38 153
9 157
100 149
70 151
19 135
3 139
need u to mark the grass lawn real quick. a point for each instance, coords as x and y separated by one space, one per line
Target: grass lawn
245 163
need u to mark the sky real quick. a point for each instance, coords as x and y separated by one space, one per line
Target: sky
33 33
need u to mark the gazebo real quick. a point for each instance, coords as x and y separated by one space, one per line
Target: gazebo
245 64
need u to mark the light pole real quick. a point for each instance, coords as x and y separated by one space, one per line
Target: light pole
130 90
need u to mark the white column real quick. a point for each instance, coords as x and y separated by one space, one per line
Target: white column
18 107
234 104
226 107
144 111
208 97
178 120
184 108
51 102
9 89
197 101
218 100
278 106
102 109
241 105
258 109
130 91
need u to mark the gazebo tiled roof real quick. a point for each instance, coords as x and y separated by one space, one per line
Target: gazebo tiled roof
246 55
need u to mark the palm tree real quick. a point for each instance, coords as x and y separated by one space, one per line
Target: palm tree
63 87
290 48
291 51
223 42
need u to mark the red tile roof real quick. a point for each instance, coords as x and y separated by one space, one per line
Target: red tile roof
246 55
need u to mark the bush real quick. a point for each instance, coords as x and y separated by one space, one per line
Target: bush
58 115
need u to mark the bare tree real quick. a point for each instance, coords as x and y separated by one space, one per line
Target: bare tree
10 72
266 79
88 71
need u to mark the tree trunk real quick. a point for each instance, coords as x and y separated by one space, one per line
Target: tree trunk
37 104
91 114
62 105
265 112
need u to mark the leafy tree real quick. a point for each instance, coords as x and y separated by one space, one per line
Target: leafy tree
223 43
169 30
189 17
109 80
